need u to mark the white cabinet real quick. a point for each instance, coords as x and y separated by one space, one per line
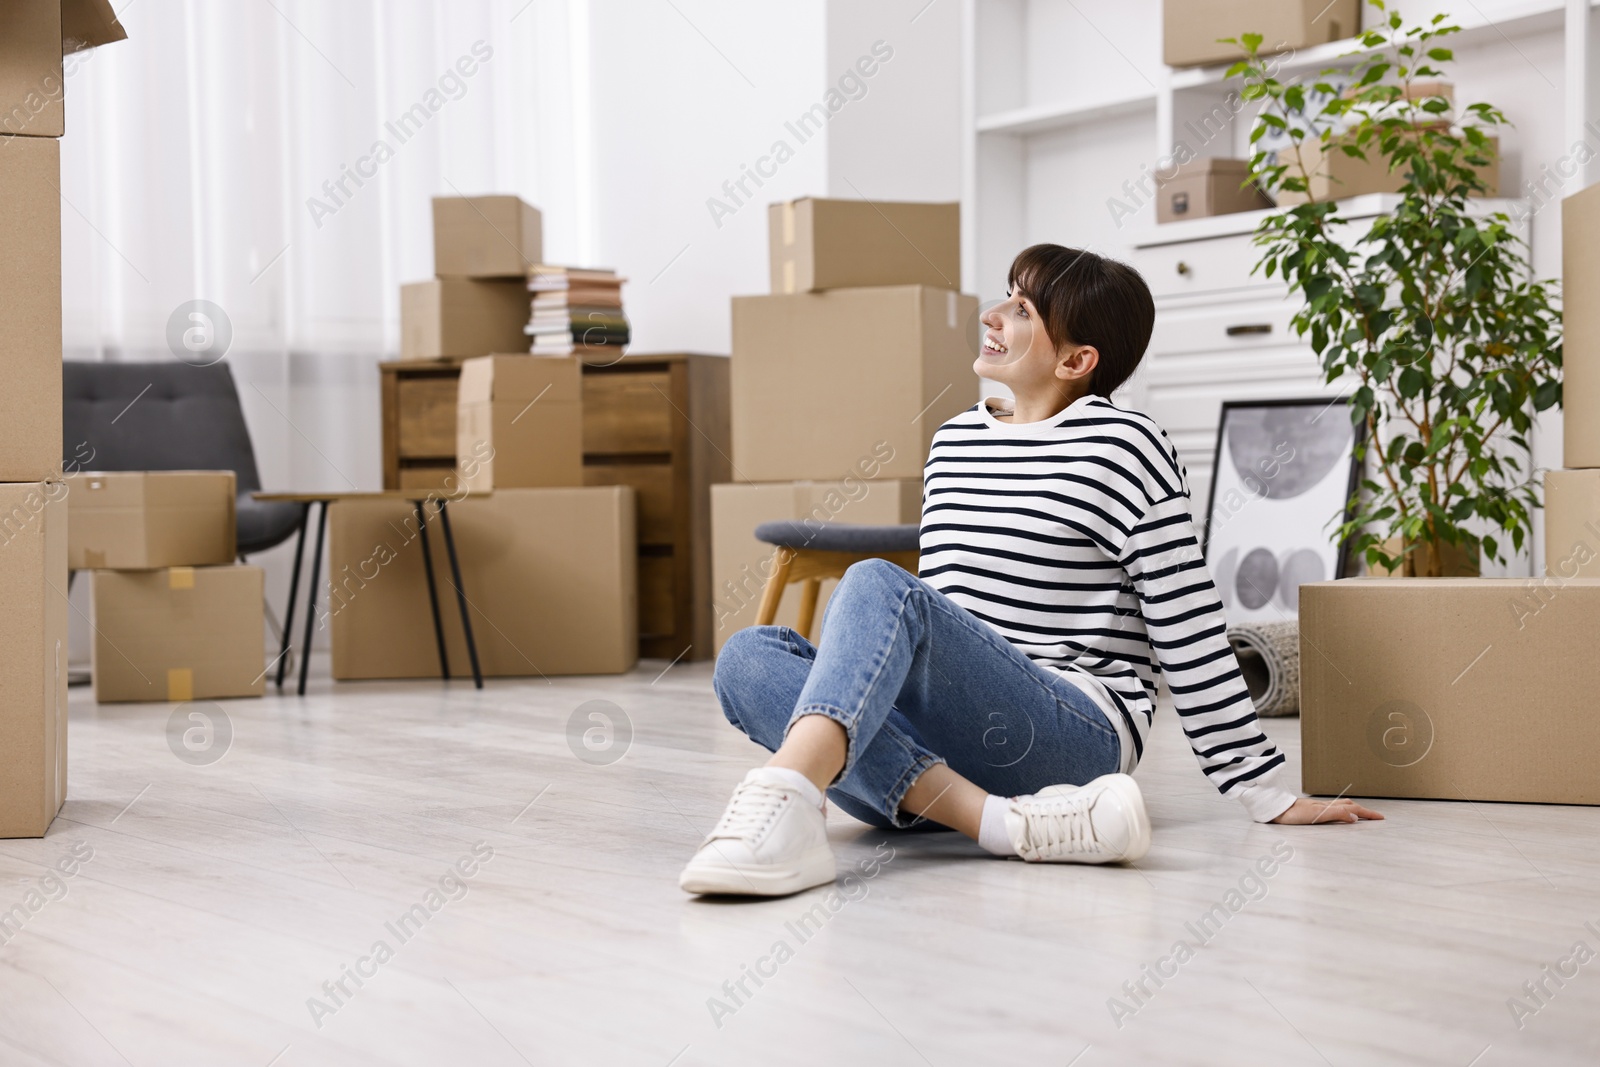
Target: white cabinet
1223 332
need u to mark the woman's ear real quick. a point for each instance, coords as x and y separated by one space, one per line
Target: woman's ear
1077 363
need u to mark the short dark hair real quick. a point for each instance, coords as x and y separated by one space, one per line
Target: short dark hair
1086 299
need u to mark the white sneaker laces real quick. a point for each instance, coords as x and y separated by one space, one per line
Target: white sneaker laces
751 811
1055 827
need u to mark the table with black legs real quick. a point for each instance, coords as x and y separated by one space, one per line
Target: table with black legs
321 501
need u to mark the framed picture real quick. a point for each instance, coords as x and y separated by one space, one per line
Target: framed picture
1283 476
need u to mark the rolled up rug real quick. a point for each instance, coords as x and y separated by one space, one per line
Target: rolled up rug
1269 658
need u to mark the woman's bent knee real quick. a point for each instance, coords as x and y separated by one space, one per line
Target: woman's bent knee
873 577
746 665
749 653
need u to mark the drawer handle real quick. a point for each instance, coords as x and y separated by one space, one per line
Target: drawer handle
1255 328
1184 269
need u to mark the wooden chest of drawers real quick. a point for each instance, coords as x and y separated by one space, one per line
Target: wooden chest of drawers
656 422
419 422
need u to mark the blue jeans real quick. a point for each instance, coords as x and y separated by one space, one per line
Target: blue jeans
915 680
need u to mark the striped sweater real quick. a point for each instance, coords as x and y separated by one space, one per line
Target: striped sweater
1072 538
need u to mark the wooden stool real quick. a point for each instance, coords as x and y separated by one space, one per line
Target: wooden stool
811 551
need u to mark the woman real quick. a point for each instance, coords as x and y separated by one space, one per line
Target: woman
1007 692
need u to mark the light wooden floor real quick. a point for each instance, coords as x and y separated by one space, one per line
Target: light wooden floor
219 898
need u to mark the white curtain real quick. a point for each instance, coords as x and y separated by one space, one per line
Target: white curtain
277 158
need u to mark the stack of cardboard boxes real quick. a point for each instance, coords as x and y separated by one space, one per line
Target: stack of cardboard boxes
1476 688
36 40
1572 495
549 565
839 379
175 618
475 305
477 301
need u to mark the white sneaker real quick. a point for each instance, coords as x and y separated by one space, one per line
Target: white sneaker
1102 822
770 842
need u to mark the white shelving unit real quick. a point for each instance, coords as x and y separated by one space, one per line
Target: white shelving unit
1069 109
1062 93
1045 117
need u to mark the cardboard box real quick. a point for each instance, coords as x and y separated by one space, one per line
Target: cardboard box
1206 187
1451 689
137 520
823 382
1580 361
33 670
35 36
551 575
1336 176
1572 523
30 320
740 564
519 422
1192 28
486 237
817 244
462 317
178 634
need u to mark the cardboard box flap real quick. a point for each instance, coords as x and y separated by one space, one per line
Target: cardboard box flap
521 377
789 207
476 384
1239 169
106 489
820 243
499 210
87 24
167 489
189 489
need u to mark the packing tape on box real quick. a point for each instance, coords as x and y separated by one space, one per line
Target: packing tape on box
180 684
788 276
1269 659
950 310
788 222
180 578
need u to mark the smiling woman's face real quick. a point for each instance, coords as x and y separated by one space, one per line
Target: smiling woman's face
1016 351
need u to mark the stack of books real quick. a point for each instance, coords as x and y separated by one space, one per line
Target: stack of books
576 312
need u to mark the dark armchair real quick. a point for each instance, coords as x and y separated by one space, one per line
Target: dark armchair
169 415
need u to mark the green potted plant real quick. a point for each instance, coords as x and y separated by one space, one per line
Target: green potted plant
1432 312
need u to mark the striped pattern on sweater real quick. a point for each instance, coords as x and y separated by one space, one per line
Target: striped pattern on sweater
1072 537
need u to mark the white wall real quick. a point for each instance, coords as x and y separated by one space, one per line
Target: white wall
902 139
689 96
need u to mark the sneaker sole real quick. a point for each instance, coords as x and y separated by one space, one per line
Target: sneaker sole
815 868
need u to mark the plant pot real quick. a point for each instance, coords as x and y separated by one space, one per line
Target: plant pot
1458 561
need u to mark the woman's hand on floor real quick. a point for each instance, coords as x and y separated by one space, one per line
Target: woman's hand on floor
1308 810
